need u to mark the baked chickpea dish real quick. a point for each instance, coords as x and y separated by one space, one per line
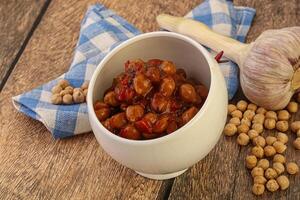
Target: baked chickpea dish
149 100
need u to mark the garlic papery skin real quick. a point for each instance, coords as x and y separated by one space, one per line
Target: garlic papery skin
268 66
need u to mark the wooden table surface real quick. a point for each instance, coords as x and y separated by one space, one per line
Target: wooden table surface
37 40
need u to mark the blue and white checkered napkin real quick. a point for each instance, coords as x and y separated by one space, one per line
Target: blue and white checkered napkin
101 31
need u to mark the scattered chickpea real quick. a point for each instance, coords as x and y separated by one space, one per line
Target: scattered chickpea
298 133
56 89
236 121
279 158
242 105
258 127
259 180
237 113
67 99
292 107
246 122
257 171
258 189
269 151
258 118
270 140
85 85
230 130
258 151
278 167
249 114
270 173
282 137
231 108
78 97
77 89
261 110
252 134
63 83
296 143
282 126
243 128
251 161
271 115
295 126
270 123
85 91
252 106
272 185
64 92
263 163
292 168
283 115
243 139
69 89
259 141
283 182
56 99
279 147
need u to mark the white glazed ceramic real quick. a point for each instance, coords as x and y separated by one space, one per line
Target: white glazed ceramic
171 155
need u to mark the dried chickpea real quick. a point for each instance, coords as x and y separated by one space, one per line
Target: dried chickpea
261 110
251 161
272 185
283 115
292 168
296 143
282 126
279 158
260 180
258 151
269 151
263 163
278 167
249 114
271 115
85 91
259 141
237 113
258 127
63 83
282 137
243 128
258 189
56 99
298 133
56 89
230 130
78 97
243 139
279 147
84 85
246 122
258 118
77 89
270 140
252 106
69 89
270 173
292 107
236 121
67 99
231 108
283 182
270 123
242 105
257 171
252 134
295 126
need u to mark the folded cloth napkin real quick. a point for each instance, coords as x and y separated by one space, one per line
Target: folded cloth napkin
101 31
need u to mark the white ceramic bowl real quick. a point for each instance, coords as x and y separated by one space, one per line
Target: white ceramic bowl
171 155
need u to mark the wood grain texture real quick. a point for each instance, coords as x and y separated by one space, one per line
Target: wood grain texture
222 174
16 20
33 165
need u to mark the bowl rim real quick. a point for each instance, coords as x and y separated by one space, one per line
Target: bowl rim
128 42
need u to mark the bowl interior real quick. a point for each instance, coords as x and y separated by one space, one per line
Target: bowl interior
165 47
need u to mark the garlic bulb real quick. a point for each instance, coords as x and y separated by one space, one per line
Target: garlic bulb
269 73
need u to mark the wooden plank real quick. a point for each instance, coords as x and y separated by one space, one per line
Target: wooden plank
16 22
222 174
33 165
